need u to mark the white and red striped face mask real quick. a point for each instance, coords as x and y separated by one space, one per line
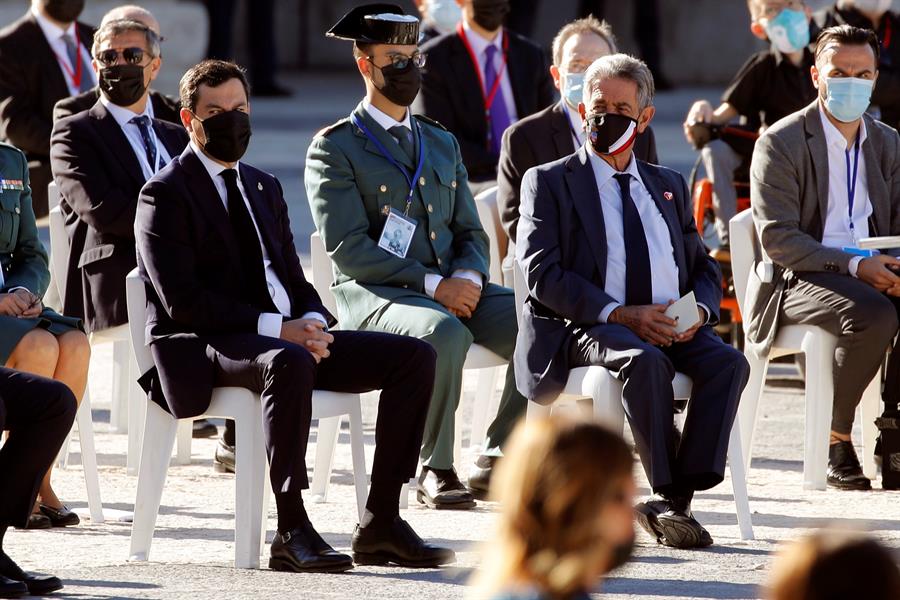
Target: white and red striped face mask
610 133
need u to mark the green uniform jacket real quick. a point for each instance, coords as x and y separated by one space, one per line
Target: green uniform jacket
351 186
22 256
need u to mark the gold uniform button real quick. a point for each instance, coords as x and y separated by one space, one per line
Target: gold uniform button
430 208
421 181
18 210
433 235
383 188
439 262
453 184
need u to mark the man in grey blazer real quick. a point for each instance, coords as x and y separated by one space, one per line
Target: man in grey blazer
822 179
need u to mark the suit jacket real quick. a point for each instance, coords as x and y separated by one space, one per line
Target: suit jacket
561 248
31 83
538 139
452 95
99 179
789 198
189 260
351 187
165 108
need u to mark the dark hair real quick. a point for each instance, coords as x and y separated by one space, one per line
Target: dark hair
362 49
212 73
849 36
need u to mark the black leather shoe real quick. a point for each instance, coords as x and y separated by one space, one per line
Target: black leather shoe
10 588
302 550
844 472
60 517
204 429
397 543
646 514
35 585
223 460
679 527
442 489
38 521
479 481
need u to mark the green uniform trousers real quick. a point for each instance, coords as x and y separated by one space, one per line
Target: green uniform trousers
492 325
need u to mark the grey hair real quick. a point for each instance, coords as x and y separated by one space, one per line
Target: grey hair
111 29
589 24
620 66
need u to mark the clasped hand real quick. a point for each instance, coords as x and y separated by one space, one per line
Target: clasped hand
881 272
460 296
309 333
20 303
652 325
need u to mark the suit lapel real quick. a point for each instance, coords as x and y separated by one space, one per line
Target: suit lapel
562 130
585 195
519 76
875 182
113 136
172 143
207 196
53 73
657 189
468 83
264 218
818 151
387 140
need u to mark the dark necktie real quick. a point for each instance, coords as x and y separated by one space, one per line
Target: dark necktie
638 280
255 285
498 113
143 123
74 53
405 139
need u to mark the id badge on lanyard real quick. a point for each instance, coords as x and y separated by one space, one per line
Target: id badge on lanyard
851 196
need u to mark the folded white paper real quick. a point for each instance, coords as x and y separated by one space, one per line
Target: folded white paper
684 311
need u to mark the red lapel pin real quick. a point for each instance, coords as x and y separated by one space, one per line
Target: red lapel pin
668 196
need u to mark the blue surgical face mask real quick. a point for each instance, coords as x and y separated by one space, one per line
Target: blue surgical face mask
789 31
444 14
847 98
572 88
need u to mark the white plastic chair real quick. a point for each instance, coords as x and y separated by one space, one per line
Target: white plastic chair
489 215
605 391
818 347
251 487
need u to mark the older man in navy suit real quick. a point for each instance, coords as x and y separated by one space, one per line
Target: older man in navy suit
607 242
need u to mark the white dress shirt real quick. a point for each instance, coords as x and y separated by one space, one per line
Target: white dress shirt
663 269
269 324
132 132
54 37
837 219
578 135
432 280
479 45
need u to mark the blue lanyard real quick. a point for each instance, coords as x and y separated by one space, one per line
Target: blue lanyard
410 180
851 183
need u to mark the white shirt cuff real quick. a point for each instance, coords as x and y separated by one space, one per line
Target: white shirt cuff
431 284
854 264
473 276
269 324
708 312
607 310
317 316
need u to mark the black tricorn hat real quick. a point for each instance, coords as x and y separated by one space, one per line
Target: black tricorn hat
377 24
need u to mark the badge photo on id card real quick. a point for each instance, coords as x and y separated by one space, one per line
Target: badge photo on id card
397 233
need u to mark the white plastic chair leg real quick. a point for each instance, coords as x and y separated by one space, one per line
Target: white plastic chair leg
870 409
184 438
118 413
326 442
819 407
358 453
484 407
89 459
156 452
248 490
607 401
749 405
136 413
458 433
739 482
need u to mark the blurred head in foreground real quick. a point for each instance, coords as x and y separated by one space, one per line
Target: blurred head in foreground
834 565
565 491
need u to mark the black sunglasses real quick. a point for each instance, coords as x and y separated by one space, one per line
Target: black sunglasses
400 62
131 56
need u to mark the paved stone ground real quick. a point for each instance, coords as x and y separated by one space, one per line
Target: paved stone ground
193 547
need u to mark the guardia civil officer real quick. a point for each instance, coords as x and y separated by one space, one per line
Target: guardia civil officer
380 171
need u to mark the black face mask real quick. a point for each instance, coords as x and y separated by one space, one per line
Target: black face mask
64 11
122 84
490 14
609 133
227 135
401 86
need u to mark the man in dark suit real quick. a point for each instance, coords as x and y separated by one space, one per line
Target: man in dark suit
162 107
101 158
606 243
556 131
44 57
38 413
228 305
479 81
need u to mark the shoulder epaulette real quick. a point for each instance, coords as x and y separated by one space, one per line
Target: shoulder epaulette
430 121
332 127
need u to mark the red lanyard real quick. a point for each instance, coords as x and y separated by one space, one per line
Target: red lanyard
886 39
487 96
75 75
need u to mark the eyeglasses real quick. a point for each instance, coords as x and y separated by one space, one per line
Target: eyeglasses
401 61
770 10
131 56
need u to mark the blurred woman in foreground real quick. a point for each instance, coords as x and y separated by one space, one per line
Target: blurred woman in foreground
565 491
